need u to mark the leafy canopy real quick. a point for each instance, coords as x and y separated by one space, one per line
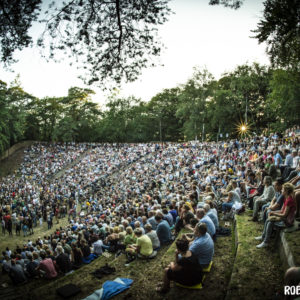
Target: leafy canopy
108 39
280 29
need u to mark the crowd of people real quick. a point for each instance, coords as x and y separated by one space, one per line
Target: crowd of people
133 199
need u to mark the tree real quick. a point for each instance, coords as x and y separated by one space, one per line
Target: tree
162 111
12 113
280 29
48 112
283 101
235 4
108 39
193 102
16 18
78 116
4 117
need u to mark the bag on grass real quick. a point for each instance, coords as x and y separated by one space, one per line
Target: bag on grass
105 270
68 290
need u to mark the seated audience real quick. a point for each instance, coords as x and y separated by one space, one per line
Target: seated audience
281 218
185 270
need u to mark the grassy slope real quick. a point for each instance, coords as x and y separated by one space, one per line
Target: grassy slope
12 163
257 273
146 275
13 241
150 274
293 239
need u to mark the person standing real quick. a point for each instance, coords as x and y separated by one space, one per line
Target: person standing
3 226
24 227
9 227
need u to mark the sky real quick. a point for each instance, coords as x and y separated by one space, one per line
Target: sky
197 34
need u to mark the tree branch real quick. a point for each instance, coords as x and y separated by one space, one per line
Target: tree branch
120 25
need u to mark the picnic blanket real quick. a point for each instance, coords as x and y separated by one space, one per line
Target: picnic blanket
110 289
89 259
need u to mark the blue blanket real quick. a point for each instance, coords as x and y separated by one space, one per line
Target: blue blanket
89 259
110 289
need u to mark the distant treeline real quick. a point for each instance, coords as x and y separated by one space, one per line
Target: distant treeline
202 108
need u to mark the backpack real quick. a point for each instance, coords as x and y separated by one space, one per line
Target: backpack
68 290
105 270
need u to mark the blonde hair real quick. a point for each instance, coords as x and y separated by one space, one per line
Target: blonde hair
129 230
289 188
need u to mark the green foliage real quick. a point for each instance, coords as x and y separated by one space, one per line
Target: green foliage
201 108
16 17
12 114
280 29
284 100
109 40
115 40
192 111
162 111
235 4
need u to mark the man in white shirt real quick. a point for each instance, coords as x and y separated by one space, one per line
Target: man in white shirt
97 247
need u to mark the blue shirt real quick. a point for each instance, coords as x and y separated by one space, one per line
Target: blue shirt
211 229
276 158
164 232
214 218
289 160
152 222
174 214
203 248
279 199
169 218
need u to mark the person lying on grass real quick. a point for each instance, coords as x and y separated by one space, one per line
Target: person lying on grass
185 270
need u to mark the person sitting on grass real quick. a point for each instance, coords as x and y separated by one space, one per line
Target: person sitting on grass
16 273
46 267
31 266
203 218
143 247
281 218
113 239
130 237
211 213
201 245
76 256
228 203
163 230
153 237
86 250
185 270
62 260
98 247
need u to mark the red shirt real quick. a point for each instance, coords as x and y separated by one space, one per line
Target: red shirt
6 218
290 202
47 266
